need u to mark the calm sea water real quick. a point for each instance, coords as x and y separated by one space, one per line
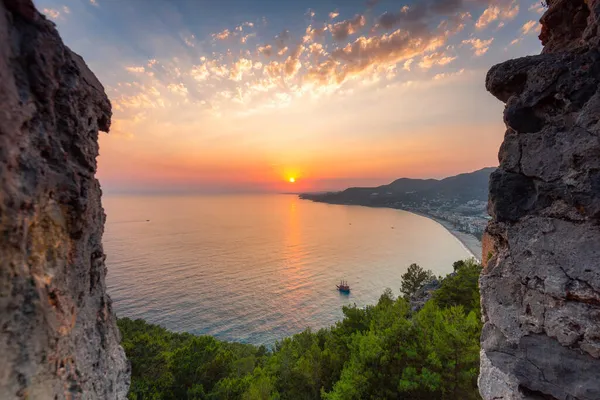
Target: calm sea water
259 268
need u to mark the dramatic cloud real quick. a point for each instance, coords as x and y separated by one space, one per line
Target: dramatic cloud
281 39
537 7
368 53
480 46
244 39
179 89
316 49
341 30
200 72
312 34
362 53
240 28
530 27
189 40
446 75
242 66
497 12
224 34
135 69
51 13
266 50
438 58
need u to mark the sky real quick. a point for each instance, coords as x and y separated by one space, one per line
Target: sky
216 96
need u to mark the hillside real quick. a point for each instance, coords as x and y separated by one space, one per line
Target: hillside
460 200
460 188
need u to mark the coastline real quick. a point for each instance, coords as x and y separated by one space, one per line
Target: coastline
468 241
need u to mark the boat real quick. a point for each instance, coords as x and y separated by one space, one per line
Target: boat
343 287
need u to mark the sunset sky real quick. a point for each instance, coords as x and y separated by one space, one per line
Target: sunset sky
241 95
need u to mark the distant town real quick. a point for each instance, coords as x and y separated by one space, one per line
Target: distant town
459 200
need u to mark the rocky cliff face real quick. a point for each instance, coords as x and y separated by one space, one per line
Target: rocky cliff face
58 338
541 287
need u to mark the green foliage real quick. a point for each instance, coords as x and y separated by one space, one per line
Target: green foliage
461 288
383 351
414 278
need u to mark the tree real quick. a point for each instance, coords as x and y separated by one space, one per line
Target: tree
461 288
414 278
381 351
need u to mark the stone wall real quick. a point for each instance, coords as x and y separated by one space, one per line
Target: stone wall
58 338
541 287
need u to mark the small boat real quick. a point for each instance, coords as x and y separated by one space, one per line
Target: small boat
343 287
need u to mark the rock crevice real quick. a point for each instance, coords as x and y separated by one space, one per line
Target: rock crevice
541 282
58 337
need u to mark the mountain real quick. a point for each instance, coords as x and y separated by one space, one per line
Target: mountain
455 189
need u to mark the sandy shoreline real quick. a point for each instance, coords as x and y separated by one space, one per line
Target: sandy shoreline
468 241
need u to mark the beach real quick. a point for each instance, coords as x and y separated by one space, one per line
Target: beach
468 241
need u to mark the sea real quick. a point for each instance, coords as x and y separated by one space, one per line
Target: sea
258 268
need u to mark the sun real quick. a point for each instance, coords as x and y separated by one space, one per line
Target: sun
292 179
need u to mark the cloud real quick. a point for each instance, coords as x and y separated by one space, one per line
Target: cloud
242 66
94 3
240 28
224 34
189 40
66 10
200 72
446 75
480 46
244 39
537 7
438 58
341 30
310 13
266 50
316 49
515 41
497 12
51 13
282 51
281 39
312 34
530 27
408 64
333 14
135 69
178 88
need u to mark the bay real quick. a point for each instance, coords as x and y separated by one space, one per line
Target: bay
258 268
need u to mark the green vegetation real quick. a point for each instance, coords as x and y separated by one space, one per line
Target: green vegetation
414 278
383 351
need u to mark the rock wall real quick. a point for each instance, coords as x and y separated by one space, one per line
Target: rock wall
58 338
541 286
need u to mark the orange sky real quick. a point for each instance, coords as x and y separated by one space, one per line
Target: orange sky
335 97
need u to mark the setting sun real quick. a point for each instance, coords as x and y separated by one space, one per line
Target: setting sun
292 180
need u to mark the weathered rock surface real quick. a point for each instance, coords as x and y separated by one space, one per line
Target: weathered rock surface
541 286
58 338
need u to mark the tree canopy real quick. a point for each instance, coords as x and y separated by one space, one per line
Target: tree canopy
383 351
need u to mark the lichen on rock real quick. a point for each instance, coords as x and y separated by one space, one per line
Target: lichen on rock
541 284
58 337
